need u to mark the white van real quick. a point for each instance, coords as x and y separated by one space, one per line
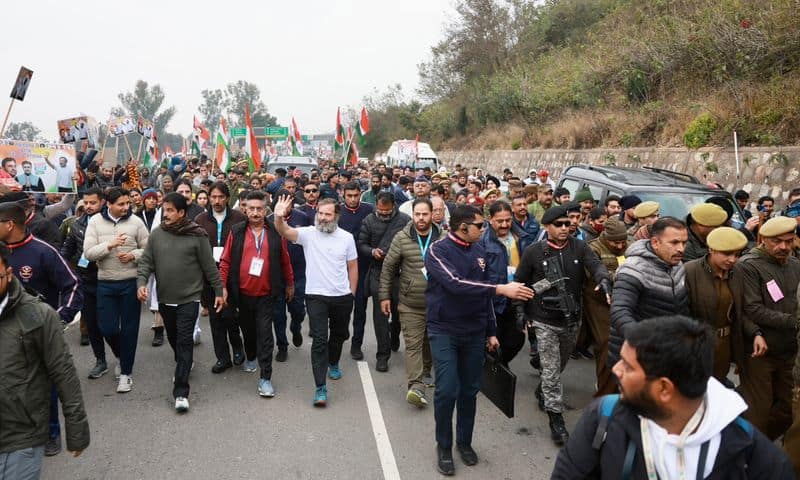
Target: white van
404 153
305 164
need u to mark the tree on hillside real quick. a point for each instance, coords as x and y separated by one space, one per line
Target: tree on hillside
22 131
147 102
476 43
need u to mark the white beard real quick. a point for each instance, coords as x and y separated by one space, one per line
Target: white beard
325 227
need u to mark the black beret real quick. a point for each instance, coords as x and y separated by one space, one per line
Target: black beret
554 213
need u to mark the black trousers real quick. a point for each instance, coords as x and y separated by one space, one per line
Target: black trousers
179 323
327 314
255 318
89 317
380 323
510 337
224 329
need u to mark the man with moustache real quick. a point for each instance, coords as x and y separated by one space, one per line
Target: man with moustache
331 282
672 420
651 282
179 256
610 247
764 289
371 195
555 312
217 222
255 270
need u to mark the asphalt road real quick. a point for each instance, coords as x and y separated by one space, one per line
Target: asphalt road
232 433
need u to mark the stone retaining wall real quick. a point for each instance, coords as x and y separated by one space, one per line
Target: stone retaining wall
762 170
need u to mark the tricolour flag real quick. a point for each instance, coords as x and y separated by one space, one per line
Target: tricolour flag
151 152
339 131
199 137
296 139
222 157
250 145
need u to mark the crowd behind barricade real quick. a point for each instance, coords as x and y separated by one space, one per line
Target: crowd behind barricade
692 322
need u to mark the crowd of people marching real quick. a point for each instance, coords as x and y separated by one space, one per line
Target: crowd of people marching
692 322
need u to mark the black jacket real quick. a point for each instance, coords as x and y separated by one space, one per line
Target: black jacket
742 455
377 233
72 250
44 229
644 287
574 258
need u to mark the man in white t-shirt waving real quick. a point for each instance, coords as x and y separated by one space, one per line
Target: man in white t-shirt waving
331 280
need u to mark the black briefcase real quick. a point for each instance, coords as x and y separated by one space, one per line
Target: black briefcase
498 383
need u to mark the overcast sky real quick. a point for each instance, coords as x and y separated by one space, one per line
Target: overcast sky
306 56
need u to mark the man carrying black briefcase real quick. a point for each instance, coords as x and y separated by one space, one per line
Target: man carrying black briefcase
555 269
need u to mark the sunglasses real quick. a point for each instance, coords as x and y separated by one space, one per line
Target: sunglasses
478 225
311 190
562 224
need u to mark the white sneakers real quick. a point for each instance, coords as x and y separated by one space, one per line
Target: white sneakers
181 404
125 384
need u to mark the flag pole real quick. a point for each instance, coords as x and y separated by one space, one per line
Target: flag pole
139 151
5 120
128 144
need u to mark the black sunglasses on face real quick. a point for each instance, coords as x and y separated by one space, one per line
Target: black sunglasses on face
563 224
313 190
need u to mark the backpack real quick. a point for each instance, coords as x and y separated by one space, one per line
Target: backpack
608 404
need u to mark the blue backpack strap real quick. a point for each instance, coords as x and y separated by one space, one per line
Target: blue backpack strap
606 410
744 425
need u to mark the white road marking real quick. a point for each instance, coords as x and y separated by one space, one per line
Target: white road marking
385 452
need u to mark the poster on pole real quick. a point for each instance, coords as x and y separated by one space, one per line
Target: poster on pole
21 85
119 126
39 167
144 128
79 129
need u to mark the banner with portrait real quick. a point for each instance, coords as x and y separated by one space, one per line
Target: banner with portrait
79 129
38 167
21 85
144 128
119 126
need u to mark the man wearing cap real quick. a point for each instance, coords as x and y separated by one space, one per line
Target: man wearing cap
586 200
650 283
702 219
764 288
610 247
554 312
628 203
646 214
544 201
710 299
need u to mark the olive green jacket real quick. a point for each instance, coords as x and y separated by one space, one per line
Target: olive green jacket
33 355
405 257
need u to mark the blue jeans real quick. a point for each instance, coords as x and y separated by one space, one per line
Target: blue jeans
23 464
118 314
458 361
297 310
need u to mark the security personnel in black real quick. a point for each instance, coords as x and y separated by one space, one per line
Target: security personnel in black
554 268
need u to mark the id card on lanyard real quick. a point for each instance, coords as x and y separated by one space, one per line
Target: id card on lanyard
424 250
217 250
257 263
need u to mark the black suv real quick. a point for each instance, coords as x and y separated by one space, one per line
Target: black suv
675 192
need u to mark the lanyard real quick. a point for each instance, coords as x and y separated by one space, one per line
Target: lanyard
647 448
219 229
424 249
258 240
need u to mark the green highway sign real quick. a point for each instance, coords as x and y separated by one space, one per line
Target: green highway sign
238 132
305 138
276 132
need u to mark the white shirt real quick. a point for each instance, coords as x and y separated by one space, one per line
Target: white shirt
327 255
63 176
